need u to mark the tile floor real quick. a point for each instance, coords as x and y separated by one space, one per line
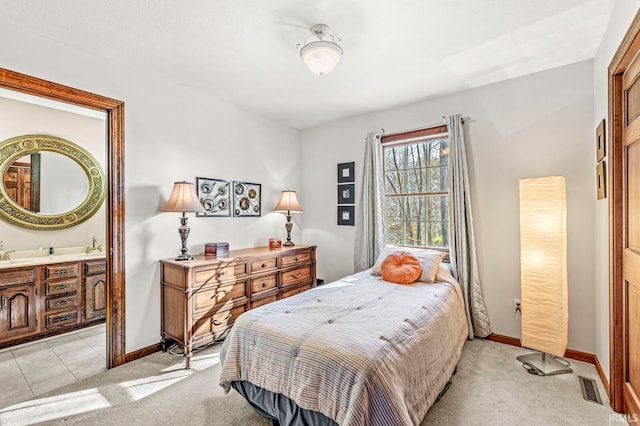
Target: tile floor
39 367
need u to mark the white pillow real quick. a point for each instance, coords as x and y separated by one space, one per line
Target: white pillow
444 274
429 259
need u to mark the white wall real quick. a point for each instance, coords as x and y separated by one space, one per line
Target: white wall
621 17
535 125
24 118
172 133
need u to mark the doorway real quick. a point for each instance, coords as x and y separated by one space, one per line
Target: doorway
624 217
115 275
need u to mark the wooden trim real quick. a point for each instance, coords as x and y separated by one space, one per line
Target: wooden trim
413 134
603 377
114 109
625 53
569 353
504 339
140 353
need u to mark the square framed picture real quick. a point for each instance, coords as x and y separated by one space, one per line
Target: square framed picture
246 199
601 142
346 193
601 180
346 172
345 215
214 195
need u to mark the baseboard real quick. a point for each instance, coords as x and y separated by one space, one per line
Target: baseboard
603 377
569 353
131 356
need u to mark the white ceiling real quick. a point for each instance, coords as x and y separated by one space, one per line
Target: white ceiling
395 52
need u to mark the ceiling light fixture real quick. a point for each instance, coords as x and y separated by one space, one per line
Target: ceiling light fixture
322 52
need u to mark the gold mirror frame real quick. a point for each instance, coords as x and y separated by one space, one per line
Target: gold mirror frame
19 146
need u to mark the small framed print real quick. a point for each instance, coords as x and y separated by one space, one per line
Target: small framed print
601 142
346 172
601 180
346 193
345 215
246 199
214 195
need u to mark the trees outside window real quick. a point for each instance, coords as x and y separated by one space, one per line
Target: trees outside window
417 192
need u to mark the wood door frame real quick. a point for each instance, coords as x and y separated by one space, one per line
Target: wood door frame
114 109
629 47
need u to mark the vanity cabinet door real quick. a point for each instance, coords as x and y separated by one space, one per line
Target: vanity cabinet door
95 297
17 311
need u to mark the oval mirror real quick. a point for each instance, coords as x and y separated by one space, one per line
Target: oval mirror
48 182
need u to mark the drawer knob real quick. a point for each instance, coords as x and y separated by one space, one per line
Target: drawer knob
62 287
264 284
62 303
61 271
221 273
264 265
216 322
297 258
297 275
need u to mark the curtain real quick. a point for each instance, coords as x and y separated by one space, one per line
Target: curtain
464 262
371 223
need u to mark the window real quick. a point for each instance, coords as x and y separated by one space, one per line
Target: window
417 191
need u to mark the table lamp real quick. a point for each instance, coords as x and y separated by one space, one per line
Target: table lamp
183 199
288 203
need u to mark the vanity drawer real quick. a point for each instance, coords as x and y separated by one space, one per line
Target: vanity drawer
264 264
61 271
64 302
63 318
223 272
295 291
295 276
295 259
22 276
264 283
92 267
205 299
59 287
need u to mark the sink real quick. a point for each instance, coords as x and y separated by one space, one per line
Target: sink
60 254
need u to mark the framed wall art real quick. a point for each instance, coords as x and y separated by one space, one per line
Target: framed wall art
601 180
345 215
601 142
346 194
246 199
214 194
346 172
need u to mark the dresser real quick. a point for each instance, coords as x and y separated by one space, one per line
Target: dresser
201 298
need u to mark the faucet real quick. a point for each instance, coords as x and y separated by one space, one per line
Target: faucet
94 247
6 255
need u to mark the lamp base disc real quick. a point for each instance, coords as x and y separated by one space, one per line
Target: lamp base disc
184 257
288 244
550 366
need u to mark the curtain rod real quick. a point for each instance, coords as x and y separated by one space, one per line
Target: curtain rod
444 117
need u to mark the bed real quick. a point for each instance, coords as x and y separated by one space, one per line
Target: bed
358 351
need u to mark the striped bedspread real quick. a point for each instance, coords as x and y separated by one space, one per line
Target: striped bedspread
361 351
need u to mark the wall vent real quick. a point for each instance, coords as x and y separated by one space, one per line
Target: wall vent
590 390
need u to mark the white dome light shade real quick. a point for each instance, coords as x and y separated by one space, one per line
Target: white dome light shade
321 56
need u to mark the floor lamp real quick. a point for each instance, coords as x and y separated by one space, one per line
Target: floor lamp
543 274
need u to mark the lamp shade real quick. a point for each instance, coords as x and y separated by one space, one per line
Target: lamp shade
543 264
183 199
321 56
288 202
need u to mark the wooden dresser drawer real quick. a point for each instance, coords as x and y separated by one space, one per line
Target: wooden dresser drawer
59 287
61 270
92 267
264 301
63 302
221 272
264 283
295 259
264 264
224 293
295 276
295 291
207 325
63 318
21 276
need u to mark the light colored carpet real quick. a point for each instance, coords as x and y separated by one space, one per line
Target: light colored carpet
490 388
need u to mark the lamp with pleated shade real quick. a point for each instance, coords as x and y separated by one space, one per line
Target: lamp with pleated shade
183 199
543 274
288 203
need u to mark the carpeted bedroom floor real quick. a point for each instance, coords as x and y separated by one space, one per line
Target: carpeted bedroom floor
490 388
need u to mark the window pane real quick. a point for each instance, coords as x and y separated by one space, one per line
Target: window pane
418 220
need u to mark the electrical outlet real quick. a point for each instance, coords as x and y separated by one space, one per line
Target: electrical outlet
516 306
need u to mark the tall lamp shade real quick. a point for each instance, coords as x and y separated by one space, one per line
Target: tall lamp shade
183 199
543 273
288 203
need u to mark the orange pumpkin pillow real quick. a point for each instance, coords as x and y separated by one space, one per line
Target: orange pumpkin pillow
400 268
